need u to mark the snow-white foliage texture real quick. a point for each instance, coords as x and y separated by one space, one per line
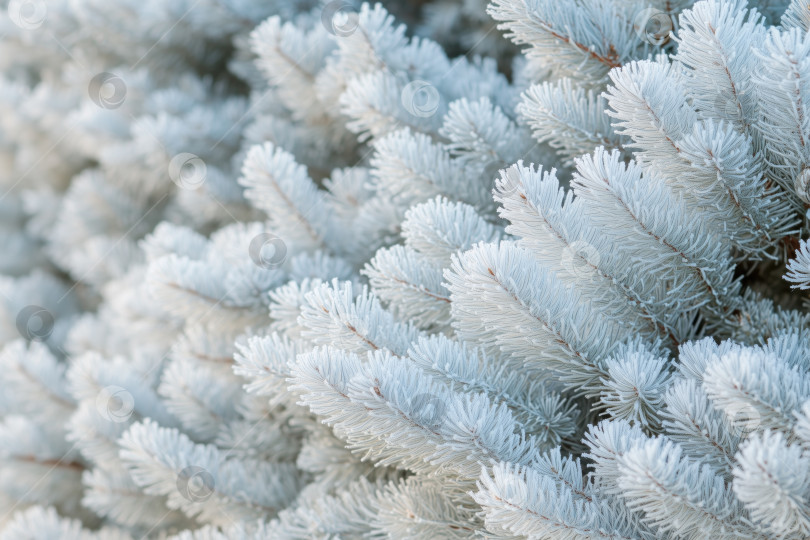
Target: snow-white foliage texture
293 269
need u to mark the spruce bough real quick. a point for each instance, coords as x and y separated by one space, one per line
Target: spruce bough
296 270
